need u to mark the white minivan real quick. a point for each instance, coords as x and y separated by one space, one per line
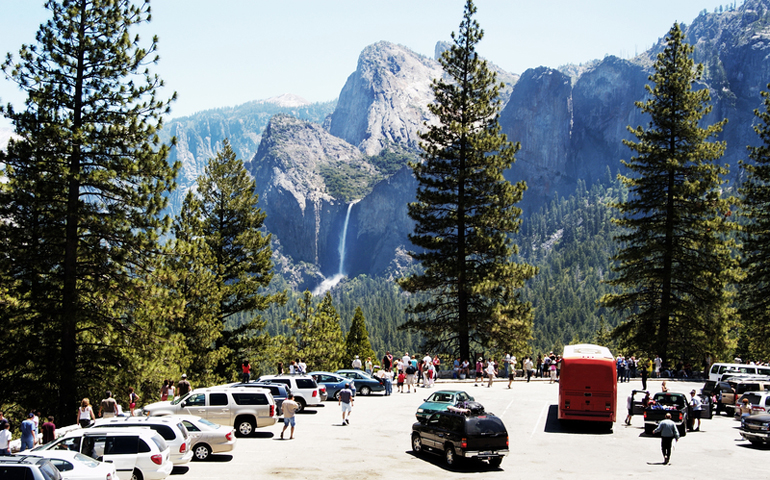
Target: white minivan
721 371
137 453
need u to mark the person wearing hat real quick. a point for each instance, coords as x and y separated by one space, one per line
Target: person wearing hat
696 405
27 433
356 363
183 387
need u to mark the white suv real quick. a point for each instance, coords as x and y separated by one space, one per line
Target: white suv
137 453
304 388
242 408
171 429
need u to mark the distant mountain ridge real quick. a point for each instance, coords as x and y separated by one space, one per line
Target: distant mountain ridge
570 123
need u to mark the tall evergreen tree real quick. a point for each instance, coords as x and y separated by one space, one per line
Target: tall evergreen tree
223 214
82 205
357 339
674 265
755 287
316 333
466 211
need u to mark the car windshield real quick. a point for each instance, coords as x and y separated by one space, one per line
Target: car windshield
178 400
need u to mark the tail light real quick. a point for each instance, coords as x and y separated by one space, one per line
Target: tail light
272 410
323 389
464 443
109 476
607 407
157 459
315 393
183 447
566 404
680 415
506 441
645 415
229 435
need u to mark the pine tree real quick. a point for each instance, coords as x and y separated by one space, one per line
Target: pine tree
224 215
674 265
466 212
328 344
755 287
83 201
357 340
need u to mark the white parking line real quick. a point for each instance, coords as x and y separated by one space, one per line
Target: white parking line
545 408
506 408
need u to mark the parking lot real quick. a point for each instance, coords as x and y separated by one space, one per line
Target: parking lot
376 444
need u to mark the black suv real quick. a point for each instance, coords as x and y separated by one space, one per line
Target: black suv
24 467
457 436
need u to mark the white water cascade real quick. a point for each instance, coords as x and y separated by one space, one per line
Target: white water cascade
328 283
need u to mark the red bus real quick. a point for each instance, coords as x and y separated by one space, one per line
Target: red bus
588 388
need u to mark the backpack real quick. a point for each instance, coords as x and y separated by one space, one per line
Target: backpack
410 369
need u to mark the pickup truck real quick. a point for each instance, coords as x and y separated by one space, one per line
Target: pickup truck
667 402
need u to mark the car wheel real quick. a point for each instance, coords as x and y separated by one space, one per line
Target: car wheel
201 451
449 456
301 404
244 426
755 441
365 390
416 443
336 395
495 462
136 475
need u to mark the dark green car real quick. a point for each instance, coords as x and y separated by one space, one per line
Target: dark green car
439 400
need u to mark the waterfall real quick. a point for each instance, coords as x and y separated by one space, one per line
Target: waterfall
328 283
343 240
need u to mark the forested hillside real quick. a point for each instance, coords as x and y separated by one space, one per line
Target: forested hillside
569 240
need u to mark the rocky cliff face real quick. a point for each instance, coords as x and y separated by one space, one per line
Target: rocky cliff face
384 102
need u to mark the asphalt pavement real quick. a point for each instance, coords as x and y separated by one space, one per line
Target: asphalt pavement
376 444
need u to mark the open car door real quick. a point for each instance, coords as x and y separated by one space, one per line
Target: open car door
637 401
706 412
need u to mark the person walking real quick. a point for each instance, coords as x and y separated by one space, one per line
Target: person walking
27 433
388 376
696 405
644 373
133 398
511 370
85 413
108 407
529 367
491 372
345 400
164 391
49 430
668 432
629 407
183 387
5 439
479 372
289 408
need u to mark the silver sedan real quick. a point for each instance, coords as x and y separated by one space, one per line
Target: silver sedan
207 437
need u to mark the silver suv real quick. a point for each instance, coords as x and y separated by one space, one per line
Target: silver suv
243 408
304 388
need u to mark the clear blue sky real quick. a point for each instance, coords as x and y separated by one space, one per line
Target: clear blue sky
229 52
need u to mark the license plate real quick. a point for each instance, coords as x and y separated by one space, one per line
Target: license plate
485 453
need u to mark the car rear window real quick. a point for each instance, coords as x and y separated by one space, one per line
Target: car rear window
754 398
306 383
48 470
158 440
250 399
484 425
120 445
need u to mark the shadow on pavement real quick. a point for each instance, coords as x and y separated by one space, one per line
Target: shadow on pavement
554 425
464 466
181 470
218 458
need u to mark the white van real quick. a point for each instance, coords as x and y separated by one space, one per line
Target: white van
718 370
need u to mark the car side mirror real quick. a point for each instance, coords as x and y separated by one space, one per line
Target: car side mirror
183 404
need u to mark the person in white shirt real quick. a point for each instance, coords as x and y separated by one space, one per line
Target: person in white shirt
511 370
491 372
356 363
5 439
